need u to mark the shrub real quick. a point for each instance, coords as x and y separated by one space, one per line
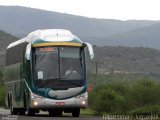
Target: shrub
145 93
140 97
106 100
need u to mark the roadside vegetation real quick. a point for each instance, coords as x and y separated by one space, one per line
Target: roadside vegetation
124 96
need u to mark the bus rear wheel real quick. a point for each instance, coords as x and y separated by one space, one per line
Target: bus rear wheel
76 113
13 110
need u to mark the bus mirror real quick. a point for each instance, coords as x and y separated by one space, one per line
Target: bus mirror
90 50
28 51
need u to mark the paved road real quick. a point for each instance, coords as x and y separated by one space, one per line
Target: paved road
44 116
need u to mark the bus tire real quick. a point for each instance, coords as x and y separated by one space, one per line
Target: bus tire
30 112
21 111
76 113
13 110
51 113
24 102
8 101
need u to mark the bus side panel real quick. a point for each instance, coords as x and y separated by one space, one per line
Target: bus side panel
14 84
13 75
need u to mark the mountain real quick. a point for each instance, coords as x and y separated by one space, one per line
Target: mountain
126 60
5 40
20 21
148 36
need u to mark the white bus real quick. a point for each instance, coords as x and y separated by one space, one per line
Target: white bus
47 71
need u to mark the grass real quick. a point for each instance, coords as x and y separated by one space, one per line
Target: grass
87 112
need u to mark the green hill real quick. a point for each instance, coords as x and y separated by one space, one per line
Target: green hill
145 36
5 40
127 60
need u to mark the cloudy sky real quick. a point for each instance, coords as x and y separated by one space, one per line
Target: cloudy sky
109 9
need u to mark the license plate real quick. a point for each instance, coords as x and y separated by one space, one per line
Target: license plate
60 103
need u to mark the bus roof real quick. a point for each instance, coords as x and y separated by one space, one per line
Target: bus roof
47 35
